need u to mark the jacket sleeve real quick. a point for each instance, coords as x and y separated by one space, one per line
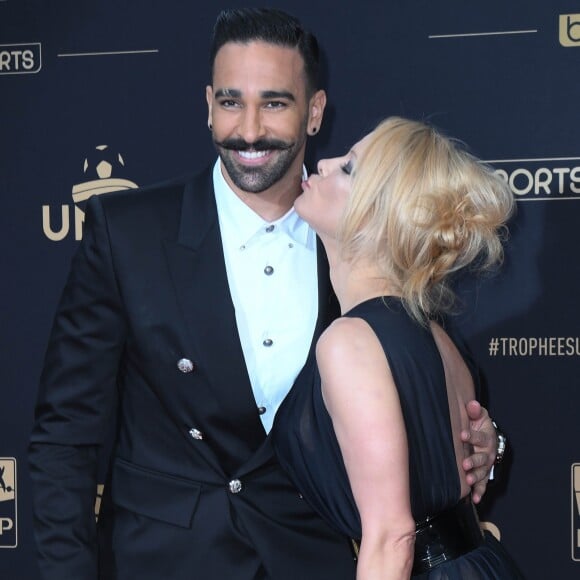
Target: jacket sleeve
76 405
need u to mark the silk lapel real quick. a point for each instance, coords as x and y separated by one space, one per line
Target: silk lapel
328 306
198 270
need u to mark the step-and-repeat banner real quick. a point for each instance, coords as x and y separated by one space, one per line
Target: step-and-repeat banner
108 95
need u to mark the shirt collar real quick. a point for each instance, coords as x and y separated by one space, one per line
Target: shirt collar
240 223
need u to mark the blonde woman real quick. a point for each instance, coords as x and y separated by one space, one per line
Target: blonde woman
370 432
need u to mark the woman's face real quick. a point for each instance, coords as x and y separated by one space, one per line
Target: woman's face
325 194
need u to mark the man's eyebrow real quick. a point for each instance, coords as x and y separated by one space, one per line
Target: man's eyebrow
278 95
269 95
228 93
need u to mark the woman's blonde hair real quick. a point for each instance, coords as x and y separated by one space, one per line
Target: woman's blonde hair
422 208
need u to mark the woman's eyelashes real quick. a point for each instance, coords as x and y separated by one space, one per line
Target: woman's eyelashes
347 167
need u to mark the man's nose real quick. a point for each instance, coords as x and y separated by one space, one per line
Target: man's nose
251 128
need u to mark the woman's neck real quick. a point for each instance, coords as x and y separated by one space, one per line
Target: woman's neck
354 283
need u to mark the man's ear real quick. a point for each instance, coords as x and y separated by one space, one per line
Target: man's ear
316 111
209 99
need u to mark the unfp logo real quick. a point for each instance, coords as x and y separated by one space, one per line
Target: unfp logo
19 59
102 172
576 512
570 29
8 529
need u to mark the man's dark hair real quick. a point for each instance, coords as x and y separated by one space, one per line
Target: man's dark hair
245 25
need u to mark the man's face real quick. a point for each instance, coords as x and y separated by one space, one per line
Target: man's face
260 115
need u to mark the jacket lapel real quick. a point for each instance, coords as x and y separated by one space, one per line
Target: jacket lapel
198 270
328 306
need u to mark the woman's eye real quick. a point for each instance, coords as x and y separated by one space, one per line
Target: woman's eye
347 167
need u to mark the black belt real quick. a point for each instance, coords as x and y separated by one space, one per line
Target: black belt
444 537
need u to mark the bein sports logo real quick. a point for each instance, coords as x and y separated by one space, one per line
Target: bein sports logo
541 178
570 30
8 535
20 59
102 173
576 512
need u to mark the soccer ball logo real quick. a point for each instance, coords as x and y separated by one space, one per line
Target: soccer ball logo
104 170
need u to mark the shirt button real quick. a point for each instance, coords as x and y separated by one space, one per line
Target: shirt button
185 365
235 486
196 433
268 342
268 270
261 410
270 229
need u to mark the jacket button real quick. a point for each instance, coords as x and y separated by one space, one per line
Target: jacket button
196 433
185 365
235 486
261 410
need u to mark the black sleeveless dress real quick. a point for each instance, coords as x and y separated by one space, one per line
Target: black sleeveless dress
307 448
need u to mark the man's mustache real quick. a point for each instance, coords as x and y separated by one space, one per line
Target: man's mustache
259 145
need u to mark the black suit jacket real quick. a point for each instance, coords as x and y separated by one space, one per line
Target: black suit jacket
147 288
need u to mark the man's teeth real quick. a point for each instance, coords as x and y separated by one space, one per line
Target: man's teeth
252 154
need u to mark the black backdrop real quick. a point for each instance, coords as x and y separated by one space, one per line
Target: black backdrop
130 75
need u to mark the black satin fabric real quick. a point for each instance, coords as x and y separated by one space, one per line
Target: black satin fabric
307 448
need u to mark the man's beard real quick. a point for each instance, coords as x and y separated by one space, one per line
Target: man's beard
258 179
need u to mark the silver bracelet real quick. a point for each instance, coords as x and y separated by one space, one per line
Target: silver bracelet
501 444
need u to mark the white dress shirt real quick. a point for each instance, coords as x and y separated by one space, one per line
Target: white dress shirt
272 275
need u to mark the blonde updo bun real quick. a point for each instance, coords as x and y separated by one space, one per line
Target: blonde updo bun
423 208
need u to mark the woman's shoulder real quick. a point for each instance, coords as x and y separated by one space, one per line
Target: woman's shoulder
348 347
344 335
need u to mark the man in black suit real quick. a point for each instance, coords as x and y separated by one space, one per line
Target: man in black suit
189 310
